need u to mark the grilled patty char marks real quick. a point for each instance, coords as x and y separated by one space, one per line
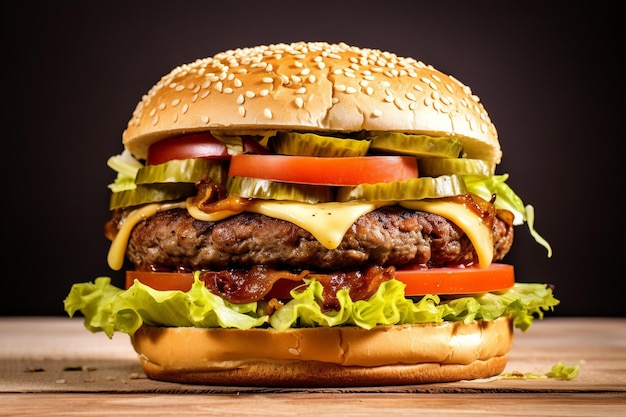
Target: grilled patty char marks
175 241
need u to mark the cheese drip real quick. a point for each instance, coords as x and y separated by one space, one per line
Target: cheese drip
473 226
117 250
327 222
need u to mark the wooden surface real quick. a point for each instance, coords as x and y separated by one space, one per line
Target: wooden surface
54 367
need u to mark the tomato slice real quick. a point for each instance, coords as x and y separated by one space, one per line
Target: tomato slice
456 280
341 171
197 145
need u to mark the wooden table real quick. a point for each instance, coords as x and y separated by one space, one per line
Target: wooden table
53 366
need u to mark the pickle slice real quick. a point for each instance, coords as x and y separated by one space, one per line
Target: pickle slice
433 167
417 145
411 189
183 170
151 193
310 144
273 190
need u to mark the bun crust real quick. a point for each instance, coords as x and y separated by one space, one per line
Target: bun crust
311 86
324 357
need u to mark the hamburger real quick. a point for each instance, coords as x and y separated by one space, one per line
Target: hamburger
312 214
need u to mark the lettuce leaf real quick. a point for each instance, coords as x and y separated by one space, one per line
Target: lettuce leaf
110 309
486 187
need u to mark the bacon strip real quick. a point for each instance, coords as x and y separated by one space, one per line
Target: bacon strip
245 286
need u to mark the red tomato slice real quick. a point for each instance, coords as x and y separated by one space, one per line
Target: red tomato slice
343 171
468 280
197 145
457 280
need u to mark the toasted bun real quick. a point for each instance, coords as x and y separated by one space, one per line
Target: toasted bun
336 356
314 87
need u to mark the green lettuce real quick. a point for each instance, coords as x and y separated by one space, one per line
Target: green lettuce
506 199
110 309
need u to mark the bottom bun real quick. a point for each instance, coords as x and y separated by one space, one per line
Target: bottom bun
326 357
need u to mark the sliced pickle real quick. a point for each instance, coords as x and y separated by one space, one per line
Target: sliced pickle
272 190
411 189
310 144
417 145
183 170
433 167
151 193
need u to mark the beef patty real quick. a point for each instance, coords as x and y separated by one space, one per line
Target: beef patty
174 241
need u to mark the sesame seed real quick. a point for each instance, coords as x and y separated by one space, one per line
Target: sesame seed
377 113
240 99
267 113
205 119
250 94
301 90
268 80
242 111
264 92
185 108
299 102
228 90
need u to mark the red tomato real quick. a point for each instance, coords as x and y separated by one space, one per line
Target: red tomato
456 280
197 145
344 171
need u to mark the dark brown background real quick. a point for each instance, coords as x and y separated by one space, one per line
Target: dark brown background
549 78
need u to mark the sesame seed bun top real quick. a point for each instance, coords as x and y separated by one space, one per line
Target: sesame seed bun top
311 86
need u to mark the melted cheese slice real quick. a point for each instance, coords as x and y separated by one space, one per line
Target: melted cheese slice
117 250
473 226
327 222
